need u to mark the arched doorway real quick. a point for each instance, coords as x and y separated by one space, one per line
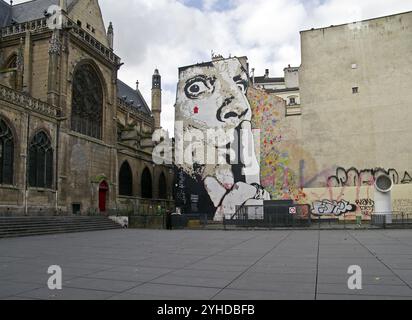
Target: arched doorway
146 183
103 191
162 186
125 180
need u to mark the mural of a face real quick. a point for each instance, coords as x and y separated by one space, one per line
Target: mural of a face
213 96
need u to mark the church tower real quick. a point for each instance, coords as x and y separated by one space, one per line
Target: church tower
157 98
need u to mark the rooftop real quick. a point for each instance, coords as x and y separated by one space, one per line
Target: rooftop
210 63
132 97
355 22
26 11
269 80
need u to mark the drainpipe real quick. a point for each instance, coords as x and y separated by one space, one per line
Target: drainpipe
57 166
26 183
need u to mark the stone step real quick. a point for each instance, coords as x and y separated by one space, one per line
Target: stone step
53 231
30 226
41 227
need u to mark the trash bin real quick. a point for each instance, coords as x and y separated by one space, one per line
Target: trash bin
359 220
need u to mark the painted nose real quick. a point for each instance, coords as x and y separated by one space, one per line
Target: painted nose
229 111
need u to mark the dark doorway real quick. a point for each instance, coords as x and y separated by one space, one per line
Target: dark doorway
147 191
162 186
125 180
103 190
76 208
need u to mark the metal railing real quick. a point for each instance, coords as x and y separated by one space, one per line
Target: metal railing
392 220
296 216
141 206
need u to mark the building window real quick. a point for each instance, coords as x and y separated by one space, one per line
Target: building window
87 102
292 101
162 186
146 184
41 161
355 90
6 154
12 62
125 180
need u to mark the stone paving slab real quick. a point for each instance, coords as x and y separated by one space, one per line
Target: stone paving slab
209 265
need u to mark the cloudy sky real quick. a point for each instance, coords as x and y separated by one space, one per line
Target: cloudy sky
167 34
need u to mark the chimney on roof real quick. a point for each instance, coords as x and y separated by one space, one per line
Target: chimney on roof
137 85
267 73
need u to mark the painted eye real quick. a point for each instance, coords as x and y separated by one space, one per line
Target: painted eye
242 84
242 87
194 88
197 86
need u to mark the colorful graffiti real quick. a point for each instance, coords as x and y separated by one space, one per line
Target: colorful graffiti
278 149
336 208
216 95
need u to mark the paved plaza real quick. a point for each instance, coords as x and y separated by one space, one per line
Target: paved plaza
209 265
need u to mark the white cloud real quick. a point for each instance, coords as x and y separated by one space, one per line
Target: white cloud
167 34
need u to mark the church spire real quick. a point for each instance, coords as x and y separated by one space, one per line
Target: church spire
110 35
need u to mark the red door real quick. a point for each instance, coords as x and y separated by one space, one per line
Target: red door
103 189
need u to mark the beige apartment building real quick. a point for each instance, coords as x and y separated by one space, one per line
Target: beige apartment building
356 117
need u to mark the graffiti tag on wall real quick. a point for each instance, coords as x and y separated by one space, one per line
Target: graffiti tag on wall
403 205
355 178
366 206
336 208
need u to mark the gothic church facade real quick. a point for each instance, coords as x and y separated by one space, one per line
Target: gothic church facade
74 139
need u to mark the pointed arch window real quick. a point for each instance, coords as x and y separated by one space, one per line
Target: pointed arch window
146 183
125 180
162 186
87 102
41 161
11 62
6 154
